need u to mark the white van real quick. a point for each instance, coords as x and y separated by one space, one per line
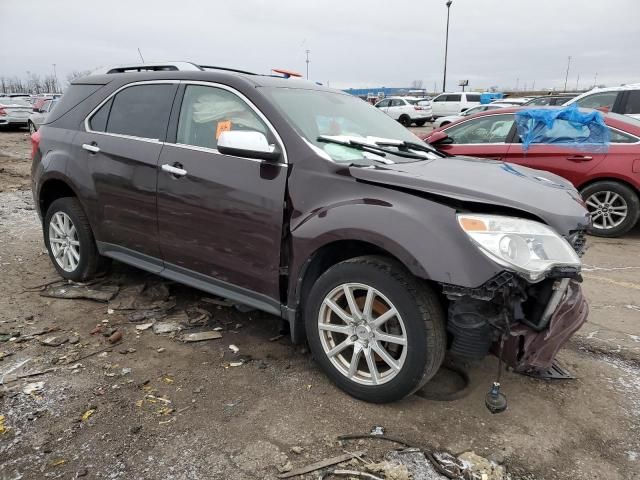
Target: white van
624 100
453 103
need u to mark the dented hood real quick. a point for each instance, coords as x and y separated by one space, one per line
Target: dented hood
542 194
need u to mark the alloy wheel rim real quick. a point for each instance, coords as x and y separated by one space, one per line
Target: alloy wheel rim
64 242
608 209
362 334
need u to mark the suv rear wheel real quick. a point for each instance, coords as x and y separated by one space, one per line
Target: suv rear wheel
614 208
405 120
32 127
376 330
70 241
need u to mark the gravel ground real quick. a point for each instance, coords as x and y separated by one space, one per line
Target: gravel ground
109 416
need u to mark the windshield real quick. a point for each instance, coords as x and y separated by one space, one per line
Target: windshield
316 113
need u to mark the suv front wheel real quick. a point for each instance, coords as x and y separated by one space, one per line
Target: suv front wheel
70 241
376 330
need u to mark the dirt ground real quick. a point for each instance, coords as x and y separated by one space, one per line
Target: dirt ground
108 416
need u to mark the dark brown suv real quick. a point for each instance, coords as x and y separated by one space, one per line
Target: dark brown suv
312 205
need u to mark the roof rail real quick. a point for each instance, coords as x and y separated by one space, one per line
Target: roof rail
168 67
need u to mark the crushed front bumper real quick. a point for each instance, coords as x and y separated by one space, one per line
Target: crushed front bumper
526 349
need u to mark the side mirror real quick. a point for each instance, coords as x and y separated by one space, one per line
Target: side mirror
438 137
248 144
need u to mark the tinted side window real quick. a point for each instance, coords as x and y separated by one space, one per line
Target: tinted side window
619 137
440 98
383 103
206 112
142 111
632 105
98 122
489 129
598 100
453 98
397 103
472 97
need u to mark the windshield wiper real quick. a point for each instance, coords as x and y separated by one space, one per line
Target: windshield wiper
411 145
367 147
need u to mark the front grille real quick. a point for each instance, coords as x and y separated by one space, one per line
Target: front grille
578 241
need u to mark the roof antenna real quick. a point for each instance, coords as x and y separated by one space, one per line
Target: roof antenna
140 53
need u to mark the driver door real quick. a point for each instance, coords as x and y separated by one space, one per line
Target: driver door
220 216
484 137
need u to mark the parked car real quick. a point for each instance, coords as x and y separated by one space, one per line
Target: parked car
624 100
39 114
309 204
406 110
609 182
549 100
453 103
442 121
14 111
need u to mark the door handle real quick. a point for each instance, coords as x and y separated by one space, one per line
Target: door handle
91 147
176 169
580 158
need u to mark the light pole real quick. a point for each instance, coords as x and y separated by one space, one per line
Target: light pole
446 47
567 74
308 52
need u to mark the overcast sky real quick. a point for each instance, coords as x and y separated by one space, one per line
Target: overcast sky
353 43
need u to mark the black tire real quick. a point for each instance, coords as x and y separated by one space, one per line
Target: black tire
627 197
90 261
32 127
422 316
405 120
421 123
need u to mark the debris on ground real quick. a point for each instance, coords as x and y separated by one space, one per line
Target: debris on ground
115 337
233 348
297 450
221 302
87 414
33 388
481 467
166 327
355 474
287 467
144 326
54 341
322 464
3 428
149 300
200 336
99 293
390 470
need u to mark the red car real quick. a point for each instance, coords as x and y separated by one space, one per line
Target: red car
608 181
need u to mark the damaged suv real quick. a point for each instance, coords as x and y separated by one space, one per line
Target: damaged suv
309 204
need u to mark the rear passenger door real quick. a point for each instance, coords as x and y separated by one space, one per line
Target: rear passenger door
220 222
453 103
121 144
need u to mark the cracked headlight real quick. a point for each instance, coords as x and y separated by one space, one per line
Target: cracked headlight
528 247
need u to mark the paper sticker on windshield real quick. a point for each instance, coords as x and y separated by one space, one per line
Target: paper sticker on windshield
223 126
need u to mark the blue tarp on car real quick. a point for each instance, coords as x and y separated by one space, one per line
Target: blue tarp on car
569 126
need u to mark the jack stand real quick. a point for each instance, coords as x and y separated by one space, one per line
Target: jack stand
496 401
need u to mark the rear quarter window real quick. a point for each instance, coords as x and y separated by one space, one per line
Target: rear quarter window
471 97
75 94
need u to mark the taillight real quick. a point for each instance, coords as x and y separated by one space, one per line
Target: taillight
3 112
35 144
419 108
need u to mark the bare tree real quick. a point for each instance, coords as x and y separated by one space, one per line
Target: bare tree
416 84
77 74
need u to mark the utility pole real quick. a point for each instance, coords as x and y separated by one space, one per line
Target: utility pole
140 53
307 52
566 77
595 80
446 48
577 80
55 77
533 86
